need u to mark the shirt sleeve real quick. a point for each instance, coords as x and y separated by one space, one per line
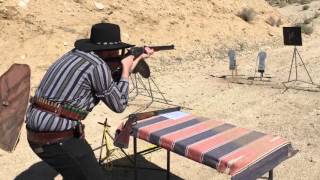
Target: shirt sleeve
113 94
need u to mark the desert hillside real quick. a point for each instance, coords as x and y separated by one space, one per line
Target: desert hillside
45 29
37 32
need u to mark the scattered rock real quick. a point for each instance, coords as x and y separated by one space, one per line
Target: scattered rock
23 3
311 160
270 34
9 12
99 6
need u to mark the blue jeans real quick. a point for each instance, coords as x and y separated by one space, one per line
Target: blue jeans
73 158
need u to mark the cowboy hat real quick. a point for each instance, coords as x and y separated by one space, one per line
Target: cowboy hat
104 36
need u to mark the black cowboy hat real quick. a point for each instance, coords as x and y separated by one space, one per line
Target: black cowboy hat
104 36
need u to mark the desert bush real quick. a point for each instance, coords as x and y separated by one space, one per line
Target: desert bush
247 14
305 7
279 22
273 22
305 28
316 15
282 4
292 1
305 1
307 21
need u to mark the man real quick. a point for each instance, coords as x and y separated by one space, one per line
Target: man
70 89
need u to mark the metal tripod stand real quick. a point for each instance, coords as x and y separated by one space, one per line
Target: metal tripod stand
145 89
294 61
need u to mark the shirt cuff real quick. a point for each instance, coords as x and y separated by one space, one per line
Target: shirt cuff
124 80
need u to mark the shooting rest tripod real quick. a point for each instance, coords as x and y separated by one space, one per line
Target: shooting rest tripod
106 145
294 60
143 89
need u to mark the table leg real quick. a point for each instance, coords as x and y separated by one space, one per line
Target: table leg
135 158
270 175
168 165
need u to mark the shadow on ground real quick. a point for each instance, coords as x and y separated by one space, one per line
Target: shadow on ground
120 169
39 170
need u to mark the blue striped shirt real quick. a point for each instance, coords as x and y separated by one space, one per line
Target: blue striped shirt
79 79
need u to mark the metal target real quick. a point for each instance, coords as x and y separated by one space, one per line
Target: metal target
262 55
232 59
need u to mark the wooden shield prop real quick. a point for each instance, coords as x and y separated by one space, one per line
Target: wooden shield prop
14 96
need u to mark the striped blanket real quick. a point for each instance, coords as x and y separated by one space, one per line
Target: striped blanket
239 152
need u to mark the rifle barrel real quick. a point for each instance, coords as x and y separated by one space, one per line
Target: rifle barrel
161 48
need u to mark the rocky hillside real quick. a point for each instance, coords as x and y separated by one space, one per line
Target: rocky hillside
40 31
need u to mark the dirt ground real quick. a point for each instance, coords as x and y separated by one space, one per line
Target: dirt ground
36 33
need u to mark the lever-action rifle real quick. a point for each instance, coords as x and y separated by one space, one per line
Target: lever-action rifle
142 67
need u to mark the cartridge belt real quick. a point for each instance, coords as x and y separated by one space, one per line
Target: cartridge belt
61 110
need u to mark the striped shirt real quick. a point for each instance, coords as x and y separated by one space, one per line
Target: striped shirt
79 79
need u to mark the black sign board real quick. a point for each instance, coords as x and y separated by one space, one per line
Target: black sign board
292 36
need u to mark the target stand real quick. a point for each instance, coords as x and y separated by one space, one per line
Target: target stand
260 67
292 37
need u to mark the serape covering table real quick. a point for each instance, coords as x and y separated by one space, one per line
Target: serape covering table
242 153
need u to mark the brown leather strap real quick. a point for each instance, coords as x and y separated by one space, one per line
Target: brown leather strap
48 137
56 109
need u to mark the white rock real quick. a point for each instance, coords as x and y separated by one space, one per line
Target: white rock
23 3
99 6
65 43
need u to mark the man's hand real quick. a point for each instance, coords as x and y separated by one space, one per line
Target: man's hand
147 52
130 62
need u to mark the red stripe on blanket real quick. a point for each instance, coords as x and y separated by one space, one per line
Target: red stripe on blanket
168 140
145 132
237 160
196 151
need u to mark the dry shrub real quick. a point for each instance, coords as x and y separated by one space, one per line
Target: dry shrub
307 21
316 15
292 1
305 1
273 21
305 7
247 14
305 28
282 4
